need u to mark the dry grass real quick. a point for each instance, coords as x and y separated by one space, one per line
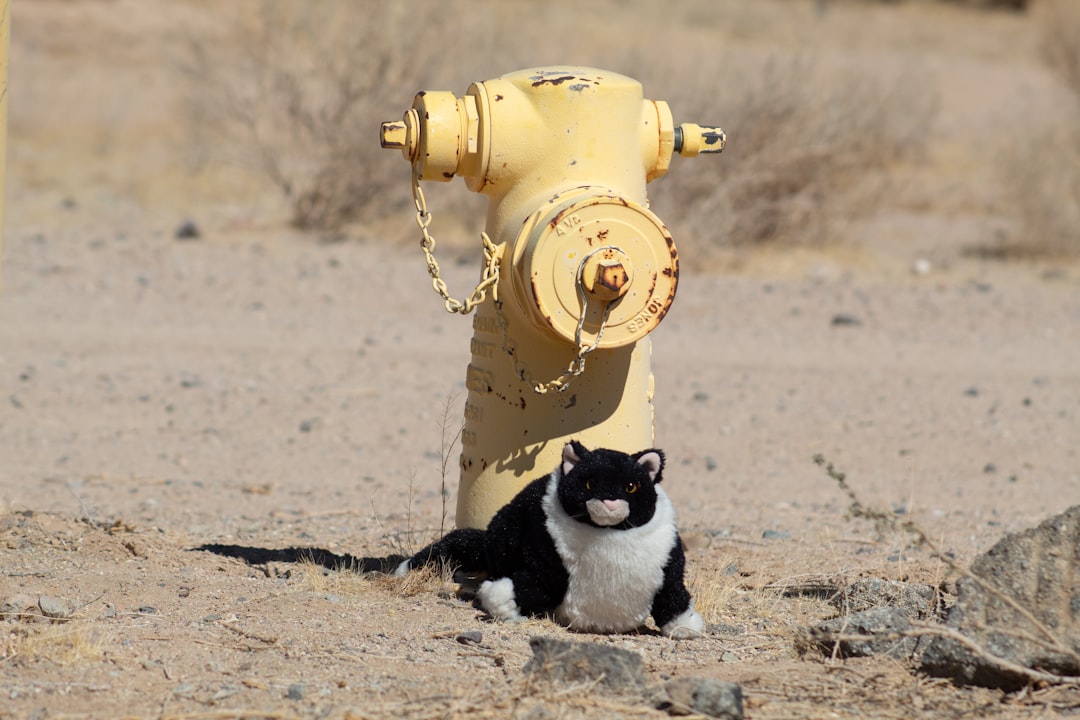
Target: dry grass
63 644
347 582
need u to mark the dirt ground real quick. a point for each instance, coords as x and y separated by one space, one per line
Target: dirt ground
200 437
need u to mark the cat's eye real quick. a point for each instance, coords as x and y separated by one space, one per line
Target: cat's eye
631 488
588 485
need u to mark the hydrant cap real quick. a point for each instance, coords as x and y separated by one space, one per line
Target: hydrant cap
616 252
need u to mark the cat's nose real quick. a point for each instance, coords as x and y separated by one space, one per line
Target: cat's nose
613 504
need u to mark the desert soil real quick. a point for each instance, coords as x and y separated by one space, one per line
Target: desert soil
191 431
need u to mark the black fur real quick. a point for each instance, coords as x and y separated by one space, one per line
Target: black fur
518 542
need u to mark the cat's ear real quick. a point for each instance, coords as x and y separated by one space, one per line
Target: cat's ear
652 461
571 455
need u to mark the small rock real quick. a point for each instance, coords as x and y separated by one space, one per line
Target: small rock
565 662
845 320
705 696
16 604
135 546
921 266
725 629
470 637
54 607
296 692
775 535
226 691
187 230
919 601
885 622
184 690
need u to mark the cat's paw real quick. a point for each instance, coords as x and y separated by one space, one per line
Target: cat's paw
686 625
403 569
497 597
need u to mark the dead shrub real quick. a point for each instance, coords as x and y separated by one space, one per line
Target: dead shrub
808 147
296 91
1042 168
1059 30
1043 179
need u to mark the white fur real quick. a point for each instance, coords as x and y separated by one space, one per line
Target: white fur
497 597
614 574
687 625
403 569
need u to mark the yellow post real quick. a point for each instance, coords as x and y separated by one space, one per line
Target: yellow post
5 36
585 271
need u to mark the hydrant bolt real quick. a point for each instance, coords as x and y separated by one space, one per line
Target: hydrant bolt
607 276
394 134
402 134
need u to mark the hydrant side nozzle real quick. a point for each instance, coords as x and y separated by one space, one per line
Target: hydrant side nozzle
692 139
401 134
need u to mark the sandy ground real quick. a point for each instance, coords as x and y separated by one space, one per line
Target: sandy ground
280 398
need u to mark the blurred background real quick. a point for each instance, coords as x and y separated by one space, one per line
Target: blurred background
878 132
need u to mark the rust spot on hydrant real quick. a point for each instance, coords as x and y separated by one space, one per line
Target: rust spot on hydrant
612 277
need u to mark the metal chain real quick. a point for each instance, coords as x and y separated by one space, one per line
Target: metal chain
577 365
489 277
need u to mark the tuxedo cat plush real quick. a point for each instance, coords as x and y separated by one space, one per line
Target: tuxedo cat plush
594 544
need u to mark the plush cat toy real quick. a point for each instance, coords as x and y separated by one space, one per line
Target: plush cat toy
594 543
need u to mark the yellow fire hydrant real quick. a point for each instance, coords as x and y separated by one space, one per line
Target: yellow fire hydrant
579 270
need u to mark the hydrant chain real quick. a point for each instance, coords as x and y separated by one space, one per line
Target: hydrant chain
577 365
489 277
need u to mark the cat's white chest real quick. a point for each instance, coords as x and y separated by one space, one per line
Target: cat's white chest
613 574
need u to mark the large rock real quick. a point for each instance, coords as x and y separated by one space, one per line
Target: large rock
1040 570
564 661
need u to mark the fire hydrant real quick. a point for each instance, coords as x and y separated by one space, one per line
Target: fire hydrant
579 270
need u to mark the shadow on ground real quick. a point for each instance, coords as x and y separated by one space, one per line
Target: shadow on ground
318 556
